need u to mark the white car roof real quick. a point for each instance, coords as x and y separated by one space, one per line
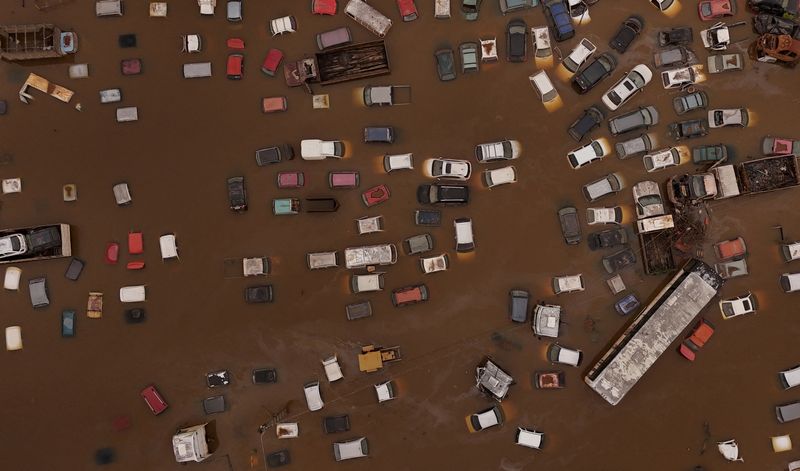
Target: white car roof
464 231
585 154
662 159
350 449
529 438
14 338
487 419
434 264
503 175
603 214
542 83
492 150
382 390
569 356
400 161
794 280
11 281
794 250
583 50
792 376
313 397
541 37
570 282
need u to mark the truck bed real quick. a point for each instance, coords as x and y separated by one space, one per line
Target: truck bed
657 252
353 62
768 173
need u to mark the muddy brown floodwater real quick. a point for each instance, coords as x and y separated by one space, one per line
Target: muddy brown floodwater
60 396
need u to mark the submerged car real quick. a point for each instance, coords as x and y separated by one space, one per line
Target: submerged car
647 199
12 245
709 153
607 215
618 260
739 306
606 185
501 150
518 305
237 194
517 37
717 37
557 15
678 78
607 238
627 305
567 356
554 379
630 28
570 225
600 68
699 337
443 194
641 118
662 159
780 8
728 117
633 146
485 419
449 168
586 123
585 155
499 176
790 282
714 9
579 54
689 129
445 65
690 102
630 84
675 37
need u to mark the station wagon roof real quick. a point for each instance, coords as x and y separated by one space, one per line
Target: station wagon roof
568 355
381 94
570 282
464 231
397 161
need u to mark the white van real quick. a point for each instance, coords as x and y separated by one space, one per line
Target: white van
368 17
108 7
197 70
357 448
543 86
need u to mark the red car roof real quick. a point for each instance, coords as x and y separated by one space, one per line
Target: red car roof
324 7
273 59
375 195
135 243
406 7
408 295
235 43
235 64
154 400
112 252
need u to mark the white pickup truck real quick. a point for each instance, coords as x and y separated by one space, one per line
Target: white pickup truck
317 149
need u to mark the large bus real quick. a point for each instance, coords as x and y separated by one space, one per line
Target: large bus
653 330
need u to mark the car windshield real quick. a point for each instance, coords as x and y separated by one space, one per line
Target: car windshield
598 149
705 9
718 117
649 200
614 97
699 187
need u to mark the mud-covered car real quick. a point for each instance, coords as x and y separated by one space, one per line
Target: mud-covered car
586 123
619 260
570 225
607 238
587 78
679 36
689 129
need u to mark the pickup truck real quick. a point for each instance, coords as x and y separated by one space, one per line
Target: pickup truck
44 239
317 149
387 95
756 176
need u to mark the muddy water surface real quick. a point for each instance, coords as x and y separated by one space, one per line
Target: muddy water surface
62 395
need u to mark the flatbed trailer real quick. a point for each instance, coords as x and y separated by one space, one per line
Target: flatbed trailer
36 41
657 251
62 249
